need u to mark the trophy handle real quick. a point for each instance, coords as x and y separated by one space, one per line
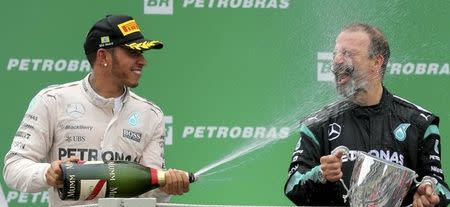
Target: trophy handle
345 151
342 149
427 180
347 190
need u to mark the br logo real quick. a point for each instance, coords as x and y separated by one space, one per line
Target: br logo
158 7
324 62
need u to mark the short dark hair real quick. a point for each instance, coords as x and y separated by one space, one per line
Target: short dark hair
378 43
92 57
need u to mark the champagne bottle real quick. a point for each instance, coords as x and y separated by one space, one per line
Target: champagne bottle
98 179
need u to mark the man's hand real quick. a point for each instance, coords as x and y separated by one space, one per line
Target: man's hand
177 182
425 196
54 173
331 166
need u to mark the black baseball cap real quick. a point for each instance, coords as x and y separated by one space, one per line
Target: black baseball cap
116 30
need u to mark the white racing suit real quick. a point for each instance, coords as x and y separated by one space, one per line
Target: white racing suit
72 120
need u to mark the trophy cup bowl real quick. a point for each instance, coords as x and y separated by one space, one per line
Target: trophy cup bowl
376 182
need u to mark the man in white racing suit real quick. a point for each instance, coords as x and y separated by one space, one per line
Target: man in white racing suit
96 118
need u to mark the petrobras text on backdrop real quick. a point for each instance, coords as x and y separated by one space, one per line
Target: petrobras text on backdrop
166 7
31 199
408 67
47 65
225 132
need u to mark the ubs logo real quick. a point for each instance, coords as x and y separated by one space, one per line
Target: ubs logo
334 130
75 138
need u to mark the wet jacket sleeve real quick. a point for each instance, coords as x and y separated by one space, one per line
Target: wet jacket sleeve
303 186
153 155
25 165
430 160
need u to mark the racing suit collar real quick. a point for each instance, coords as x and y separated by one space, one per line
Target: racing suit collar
98 100
380 108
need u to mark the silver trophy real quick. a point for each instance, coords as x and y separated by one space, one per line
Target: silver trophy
377 182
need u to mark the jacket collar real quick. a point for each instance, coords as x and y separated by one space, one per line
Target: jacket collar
380 108
98 100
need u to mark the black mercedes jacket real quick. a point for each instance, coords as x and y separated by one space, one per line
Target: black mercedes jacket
395 130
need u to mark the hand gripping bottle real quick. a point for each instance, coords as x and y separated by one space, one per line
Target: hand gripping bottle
98 179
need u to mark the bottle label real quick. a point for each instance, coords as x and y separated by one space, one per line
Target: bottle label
92 189
83 162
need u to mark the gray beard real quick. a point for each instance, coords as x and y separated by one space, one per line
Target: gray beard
347 90
351 88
